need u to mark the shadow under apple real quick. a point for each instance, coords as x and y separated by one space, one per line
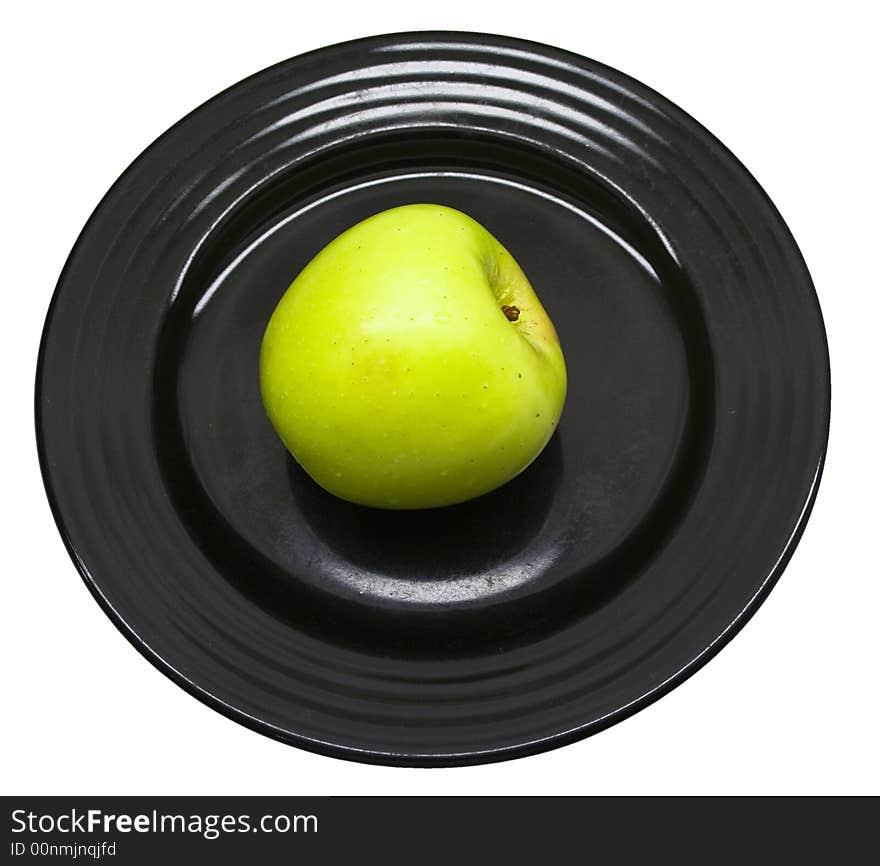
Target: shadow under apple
437 543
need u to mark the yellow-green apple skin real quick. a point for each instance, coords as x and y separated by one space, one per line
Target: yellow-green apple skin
410 364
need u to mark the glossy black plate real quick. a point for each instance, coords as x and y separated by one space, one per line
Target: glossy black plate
646 534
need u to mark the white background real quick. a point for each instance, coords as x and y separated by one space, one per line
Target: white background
790 706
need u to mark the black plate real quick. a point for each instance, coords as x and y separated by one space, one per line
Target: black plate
642 539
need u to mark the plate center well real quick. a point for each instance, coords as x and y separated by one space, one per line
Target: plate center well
568 517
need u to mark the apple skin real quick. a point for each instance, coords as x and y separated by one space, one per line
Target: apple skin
393 375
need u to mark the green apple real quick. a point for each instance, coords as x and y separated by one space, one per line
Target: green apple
410 364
